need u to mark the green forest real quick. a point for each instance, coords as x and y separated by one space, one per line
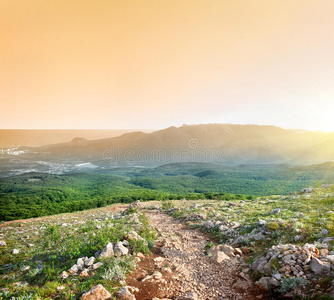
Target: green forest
38 194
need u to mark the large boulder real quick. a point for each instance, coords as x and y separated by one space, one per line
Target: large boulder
80 263
63 275
124 294
132 235
90 261
223 228
74 269
195 216
317 265
242 284
226 249
276 211
209 224
330 258
108 251
263 283
97 292
217 255
262 222
96 266
84 273
265 268
120 250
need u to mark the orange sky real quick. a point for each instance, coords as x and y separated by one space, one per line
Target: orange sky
152 64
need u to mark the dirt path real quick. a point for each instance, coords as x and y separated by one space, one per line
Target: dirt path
190 270
179 266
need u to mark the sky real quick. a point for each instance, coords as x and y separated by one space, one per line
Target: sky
106 64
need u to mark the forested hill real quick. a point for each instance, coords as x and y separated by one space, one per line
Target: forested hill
36 194
39 194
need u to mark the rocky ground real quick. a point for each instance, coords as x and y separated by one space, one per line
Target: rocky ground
182 266
269 248
198 275
287 241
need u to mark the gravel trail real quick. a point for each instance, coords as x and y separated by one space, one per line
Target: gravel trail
184 249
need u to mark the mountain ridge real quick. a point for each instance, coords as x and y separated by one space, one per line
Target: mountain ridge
222 143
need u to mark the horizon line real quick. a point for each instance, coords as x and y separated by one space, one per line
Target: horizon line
157 129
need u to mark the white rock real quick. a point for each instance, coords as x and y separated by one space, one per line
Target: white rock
159 259
298 237
218 256
209 224
108 251
276 211
259 237
96 266
120 250
74 269
223 228
126 243
96 293
124 294
80 263
262 222
132 235
330 257
90 261
263 283
278 276
63 275
317 265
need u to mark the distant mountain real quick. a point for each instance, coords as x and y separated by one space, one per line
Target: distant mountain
213 143
37 137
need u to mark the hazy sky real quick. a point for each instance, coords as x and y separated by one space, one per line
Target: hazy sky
153 64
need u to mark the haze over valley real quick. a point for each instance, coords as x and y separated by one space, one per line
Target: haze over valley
222 144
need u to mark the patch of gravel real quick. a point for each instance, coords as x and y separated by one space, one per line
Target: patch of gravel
184 249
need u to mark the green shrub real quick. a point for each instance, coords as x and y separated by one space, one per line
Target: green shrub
291 283
117 268
167 205
209 245
131 211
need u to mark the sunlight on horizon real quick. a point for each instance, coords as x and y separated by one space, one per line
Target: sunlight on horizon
155 64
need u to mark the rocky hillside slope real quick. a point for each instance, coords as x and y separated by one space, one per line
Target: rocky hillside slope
267 248
288 240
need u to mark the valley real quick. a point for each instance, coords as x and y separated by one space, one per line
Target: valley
198 212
